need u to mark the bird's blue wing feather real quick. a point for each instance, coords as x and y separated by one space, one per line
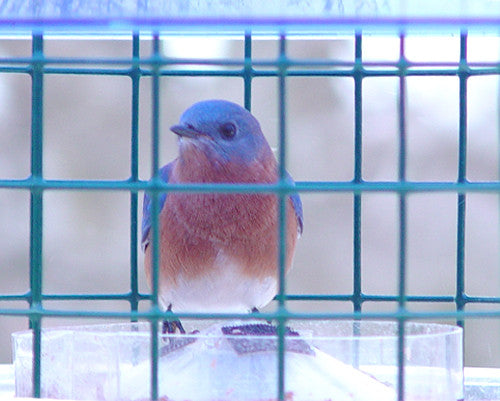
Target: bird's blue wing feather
296 203
165 172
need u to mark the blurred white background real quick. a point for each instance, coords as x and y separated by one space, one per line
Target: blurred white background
86 243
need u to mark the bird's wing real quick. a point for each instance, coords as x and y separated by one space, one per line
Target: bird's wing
296 203
165 172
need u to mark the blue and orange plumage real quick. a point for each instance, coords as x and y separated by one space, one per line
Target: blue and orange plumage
219 252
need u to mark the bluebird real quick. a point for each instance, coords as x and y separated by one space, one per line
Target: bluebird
219 251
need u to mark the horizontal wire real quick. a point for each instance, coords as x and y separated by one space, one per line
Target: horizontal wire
347 68
300 186
286 314
240 62
261 73
289 297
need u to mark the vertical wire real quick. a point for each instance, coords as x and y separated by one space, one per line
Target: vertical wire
134 162
155 209
402 215
36 207
283 65
358 75
248 72
463 75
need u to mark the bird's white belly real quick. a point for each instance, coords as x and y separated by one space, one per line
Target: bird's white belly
223 288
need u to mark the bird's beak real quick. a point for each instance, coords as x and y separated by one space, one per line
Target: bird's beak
183 130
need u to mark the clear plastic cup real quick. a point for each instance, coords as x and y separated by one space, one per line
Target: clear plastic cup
324 360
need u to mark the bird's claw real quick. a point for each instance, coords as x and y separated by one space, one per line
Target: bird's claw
172 327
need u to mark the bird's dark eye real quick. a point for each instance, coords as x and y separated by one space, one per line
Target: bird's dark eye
228 130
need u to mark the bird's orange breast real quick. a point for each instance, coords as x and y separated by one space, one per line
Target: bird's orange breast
196 227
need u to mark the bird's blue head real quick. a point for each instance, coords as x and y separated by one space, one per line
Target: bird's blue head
223 130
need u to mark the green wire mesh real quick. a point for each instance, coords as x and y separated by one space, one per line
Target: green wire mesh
155 66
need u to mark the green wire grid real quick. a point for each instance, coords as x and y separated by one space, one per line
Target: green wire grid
156 66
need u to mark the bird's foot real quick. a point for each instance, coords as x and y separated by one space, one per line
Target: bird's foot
172 326
172 343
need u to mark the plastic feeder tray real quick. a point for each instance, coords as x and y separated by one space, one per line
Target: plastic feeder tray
327 360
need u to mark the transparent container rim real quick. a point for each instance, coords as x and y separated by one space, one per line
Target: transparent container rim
439 330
